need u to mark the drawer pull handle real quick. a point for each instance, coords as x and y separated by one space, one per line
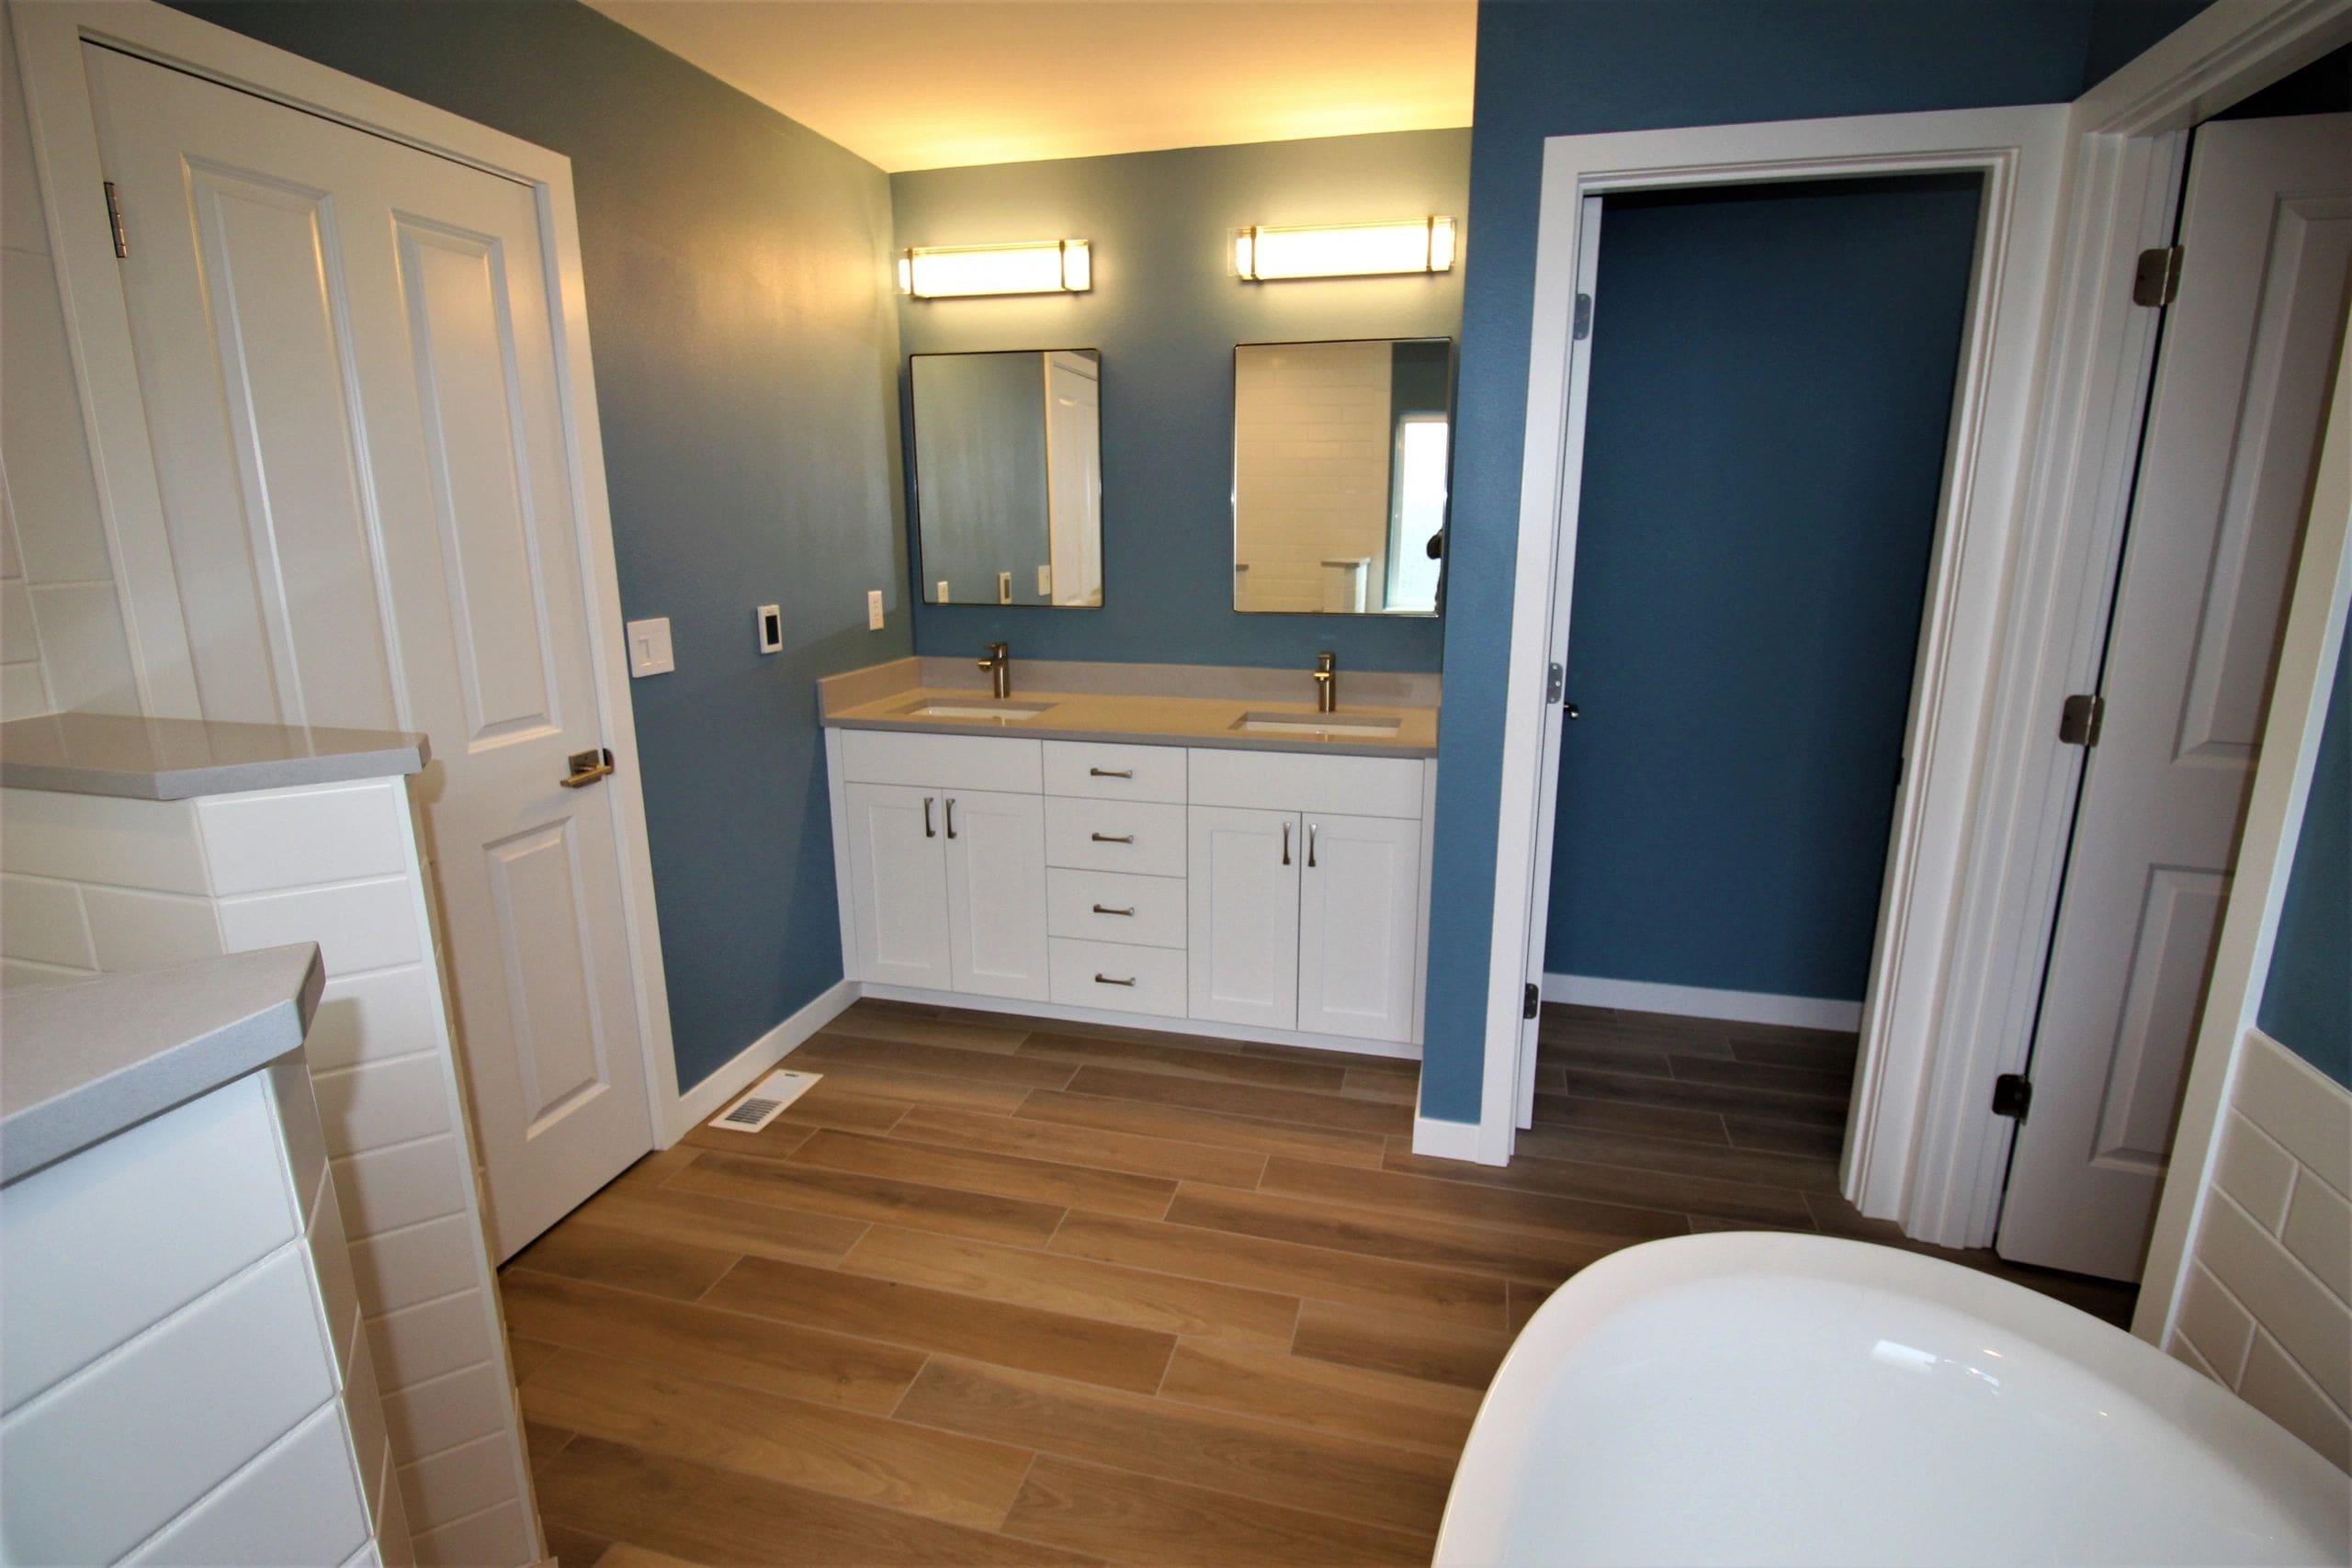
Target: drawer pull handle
1100 909
1310 834
1114 837
928 831
951 824
1285 843
1106 980
1110 772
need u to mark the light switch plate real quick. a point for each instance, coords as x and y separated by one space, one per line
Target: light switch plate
1004 587
1045 581
649 648
770 624
939 595
873 609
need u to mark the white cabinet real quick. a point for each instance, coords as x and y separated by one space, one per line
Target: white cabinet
947 889
1244 895
996 893
1359 924
1280 893
898 876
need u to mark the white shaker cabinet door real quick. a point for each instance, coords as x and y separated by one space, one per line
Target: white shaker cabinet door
1244 896
996 893
1359 920
898 868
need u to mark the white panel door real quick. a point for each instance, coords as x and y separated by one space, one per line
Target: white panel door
1359 924
898 879
2233 423
345 351
1244 919
996 893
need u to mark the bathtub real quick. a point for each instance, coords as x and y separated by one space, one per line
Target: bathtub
1759 1397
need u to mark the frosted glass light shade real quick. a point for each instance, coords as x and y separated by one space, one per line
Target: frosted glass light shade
1047 266
1344 250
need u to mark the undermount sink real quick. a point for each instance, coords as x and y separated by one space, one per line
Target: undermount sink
970 709
1334 724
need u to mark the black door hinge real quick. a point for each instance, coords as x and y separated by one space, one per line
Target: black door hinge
2079 720
114 223
1534 1002
2012 1095
2156 282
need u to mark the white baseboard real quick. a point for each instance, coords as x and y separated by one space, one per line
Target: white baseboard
1699 1001
704 1100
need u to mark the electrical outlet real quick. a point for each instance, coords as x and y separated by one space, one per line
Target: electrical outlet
873 609
1004 587
770 623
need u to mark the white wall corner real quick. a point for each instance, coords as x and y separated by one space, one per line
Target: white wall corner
704 1100
1701 1001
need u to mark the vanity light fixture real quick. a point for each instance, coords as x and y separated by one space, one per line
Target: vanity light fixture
1044 266
1343 250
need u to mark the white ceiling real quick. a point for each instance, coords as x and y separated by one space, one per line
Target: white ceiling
939 84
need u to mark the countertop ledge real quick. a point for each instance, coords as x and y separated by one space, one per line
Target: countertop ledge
1148 721
90 1059
179 758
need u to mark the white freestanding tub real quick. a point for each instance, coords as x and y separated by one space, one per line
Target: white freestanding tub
1764 1398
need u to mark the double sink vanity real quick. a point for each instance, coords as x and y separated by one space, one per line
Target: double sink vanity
1138 844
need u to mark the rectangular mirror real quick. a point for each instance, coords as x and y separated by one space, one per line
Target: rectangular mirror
1008 463
1339 475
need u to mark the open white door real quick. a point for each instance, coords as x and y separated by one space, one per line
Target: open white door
1074 477
2233 432
1539 907
347 359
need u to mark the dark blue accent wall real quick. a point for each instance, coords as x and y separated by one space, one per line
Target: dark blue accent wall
2307 1000
745 334
1167 312
1772 370
1577 66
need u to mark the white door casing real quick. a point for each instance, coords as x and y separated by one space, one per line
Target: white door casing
897 882
1359 918
2233 432
996 893
344 347
1244 892
1555 721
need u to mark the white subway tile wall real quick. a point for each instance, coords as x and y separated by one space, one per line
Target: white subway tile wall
1311 460
2267 1306
89 883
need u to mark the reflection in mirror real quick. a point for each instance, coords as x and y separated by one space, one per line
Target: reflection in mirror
1340 454
1008 463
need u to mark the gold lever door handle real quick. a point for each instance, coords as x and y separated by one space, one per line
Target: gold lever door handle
586 767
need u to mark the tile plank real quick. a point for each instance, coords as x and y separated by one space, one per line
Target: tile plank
1391 1342
1462 1199
941 1476
1670 1156
873 1020
1611 1184
947 1061
1439 1241
1136 1518
1682 1094
1380 1407
926 1319
705 1514
1823 1142
1179 1124
700 1341
1834 1083
625 1260
853 1197
1004 1176
1232 1067
1292 1107
1070 1144
1079 1287
1572 1112
727 1225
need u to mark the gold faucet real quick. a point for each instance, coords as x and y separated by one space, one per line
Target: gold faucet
1327 682
997 662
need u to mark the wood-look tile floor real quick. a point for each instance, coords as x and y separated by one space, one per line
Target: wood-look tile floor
1006 1290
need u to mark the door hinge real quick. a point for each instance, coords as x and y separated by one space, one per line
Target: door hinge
2012 1095
114 223
2079 720
1534 1002
1555 680
1580 326
2156 281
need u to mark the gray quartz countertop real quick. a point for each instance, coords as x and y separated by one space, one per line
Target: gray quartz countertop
174 759
85 1060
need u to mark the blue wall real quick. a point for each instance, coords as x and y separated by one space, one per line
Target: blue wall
1578 66
742 310
2307 1000
1773 371
1165 311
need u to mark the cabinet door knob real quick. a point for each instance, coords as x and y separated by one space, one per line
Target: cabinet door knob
928 831
1106 980
1114 837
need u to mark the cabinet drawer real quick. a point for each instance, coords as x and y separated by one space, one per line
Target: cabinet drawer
1115 835
965 761
1299 781
1115 772
1119 976
1115 906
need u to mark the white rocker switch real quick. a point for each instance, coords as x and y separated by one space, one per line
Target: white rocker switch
649 648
